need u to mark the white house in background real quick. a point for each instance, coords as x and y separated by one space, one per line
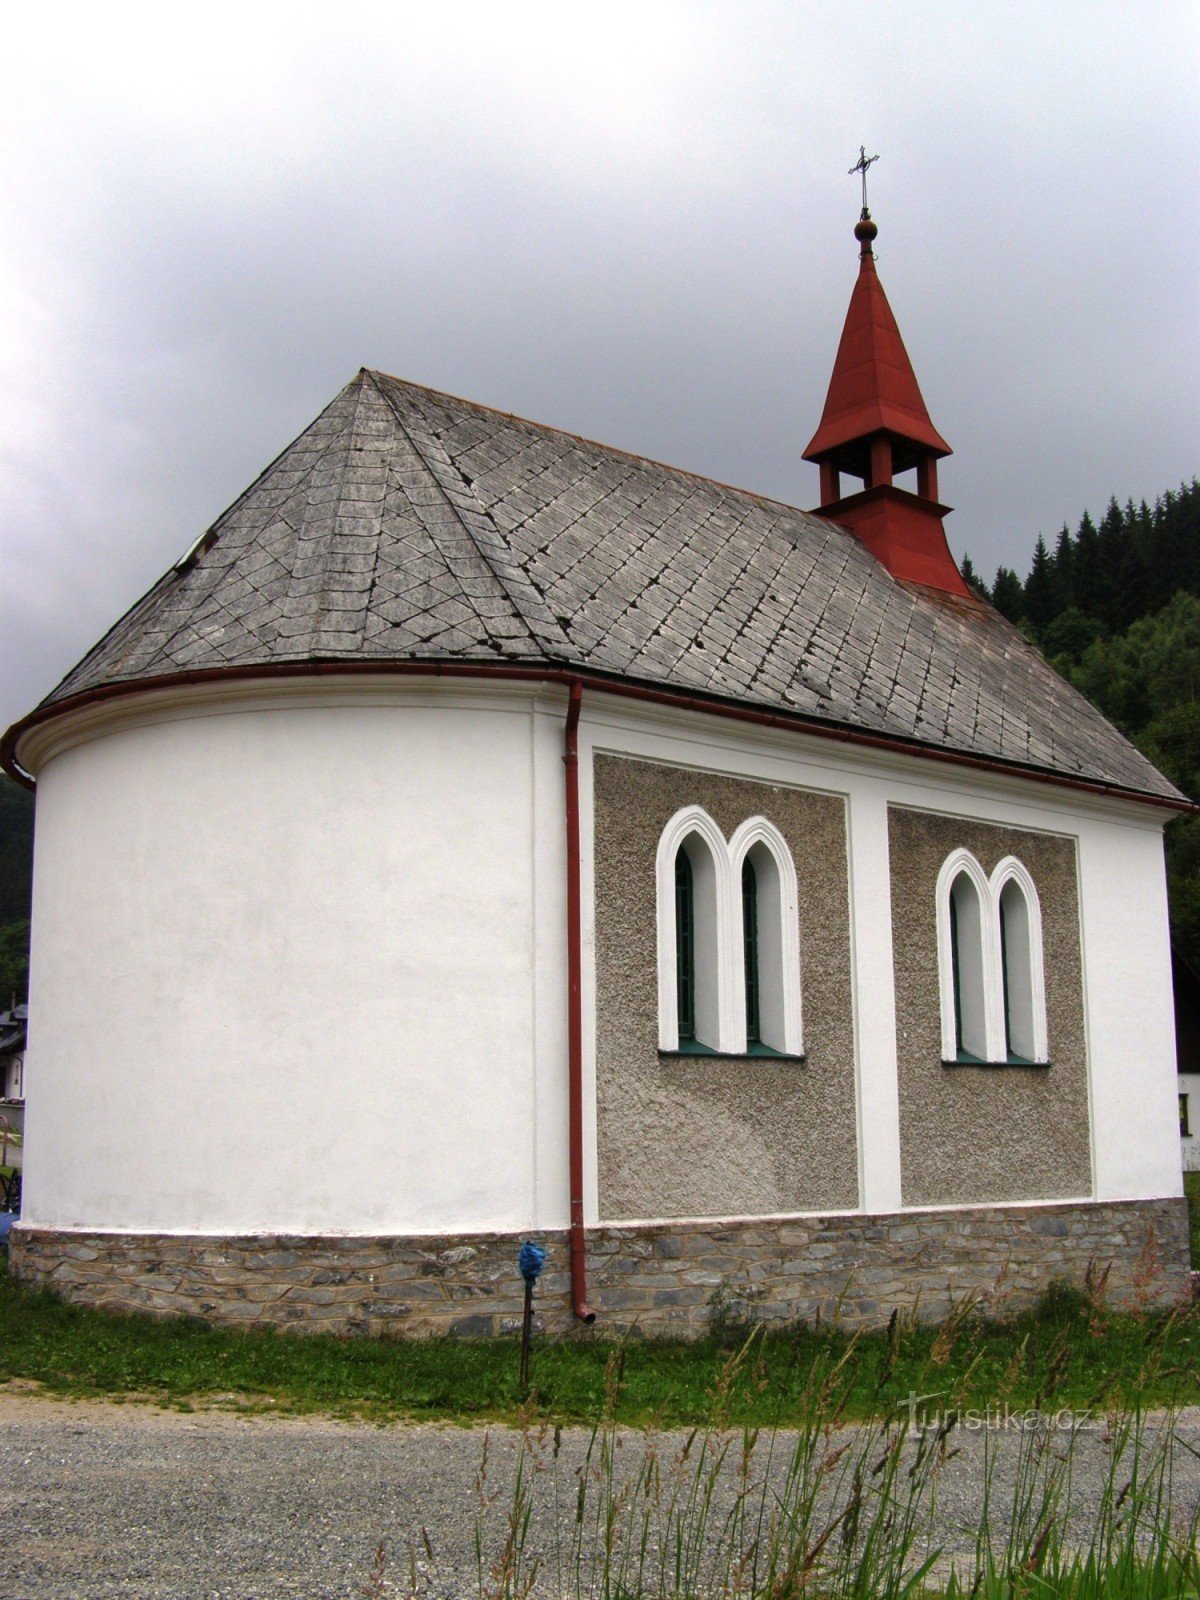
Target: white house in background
12 1053
12 1088
718 891
1187 1054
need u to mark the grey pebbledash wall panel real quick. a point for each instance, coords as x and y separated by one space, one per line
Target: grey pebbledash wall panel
974 1134
698 1137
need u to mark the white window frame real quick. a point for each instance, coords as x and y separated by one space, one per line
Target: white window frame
781 1017
963 863
989 890
786 1014
1010 870
694 820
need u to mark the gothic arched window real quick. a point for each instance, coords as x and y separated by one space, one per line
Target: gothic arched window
967 970
1022 980
770 939
728 939
964 958
694 1008
990 964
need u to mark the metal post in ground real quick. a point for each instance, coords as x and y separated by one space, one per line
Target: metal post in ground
531 1261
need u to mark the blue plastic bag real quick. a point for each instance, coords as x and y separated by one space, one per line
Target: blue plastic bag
531 1261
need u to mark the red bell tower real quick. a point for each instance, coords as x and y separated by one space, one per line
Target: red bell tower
875 426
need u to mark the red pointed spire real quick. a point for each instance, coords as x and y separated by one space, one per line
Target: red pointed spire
873 388
875 425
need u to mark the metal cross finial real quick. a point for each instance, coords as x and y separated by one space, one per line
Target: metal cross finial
864 161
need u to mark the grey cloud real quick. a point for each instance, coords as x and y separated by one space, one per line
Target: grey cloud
651 248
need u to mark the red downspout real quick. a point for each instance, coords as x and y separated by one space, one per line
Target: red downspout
575 1009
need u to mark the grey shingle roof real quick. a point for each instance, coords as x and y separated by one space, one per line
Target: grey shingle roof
407 525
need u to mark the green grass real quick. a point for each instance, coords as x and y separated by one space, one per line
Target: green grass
1066 1354
825 1512
1191 1188
739 1509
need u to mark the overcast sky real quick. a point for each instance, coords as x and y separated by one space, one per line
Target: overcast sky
630 221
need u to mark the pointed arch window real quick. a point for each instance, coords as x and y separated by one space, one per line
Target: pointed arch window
698 942
728 939
771 940
990 964
694 1010
1008 915
967 970
1022 980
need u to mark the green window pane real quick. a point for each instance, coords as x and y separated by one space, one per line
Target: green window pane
685 948
958 1033
1008 1049
750 939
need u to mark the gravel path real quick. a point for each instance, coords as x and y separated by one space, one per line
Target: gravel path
103 1500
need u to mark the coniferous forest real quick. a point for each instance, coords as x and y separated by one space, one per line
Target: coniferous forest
16 875
1115 606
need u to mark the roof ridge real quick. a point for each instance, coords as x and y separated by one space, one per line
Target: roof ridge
592 444
470 537
544 632
345 441
214 573
179 571
127 618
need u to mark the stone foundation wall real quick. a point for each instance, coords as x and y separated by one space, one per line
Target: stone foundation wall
665 1279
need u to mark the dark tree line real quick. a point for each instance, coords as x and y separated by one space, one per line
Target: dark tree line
1099 581
16 881
1116 609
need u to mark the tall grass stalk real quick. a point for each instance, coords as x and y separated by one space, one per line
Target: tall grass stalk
832 1509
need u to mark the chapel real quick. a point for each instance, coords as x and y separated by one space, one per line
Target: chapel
484 835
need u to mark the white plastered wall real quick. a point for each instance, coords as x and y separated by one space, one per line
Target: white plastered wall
1130 1012
393 855
289 967
1125 948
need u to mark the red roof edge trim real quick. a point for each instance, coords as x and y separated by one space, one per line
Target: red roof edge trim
565 676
